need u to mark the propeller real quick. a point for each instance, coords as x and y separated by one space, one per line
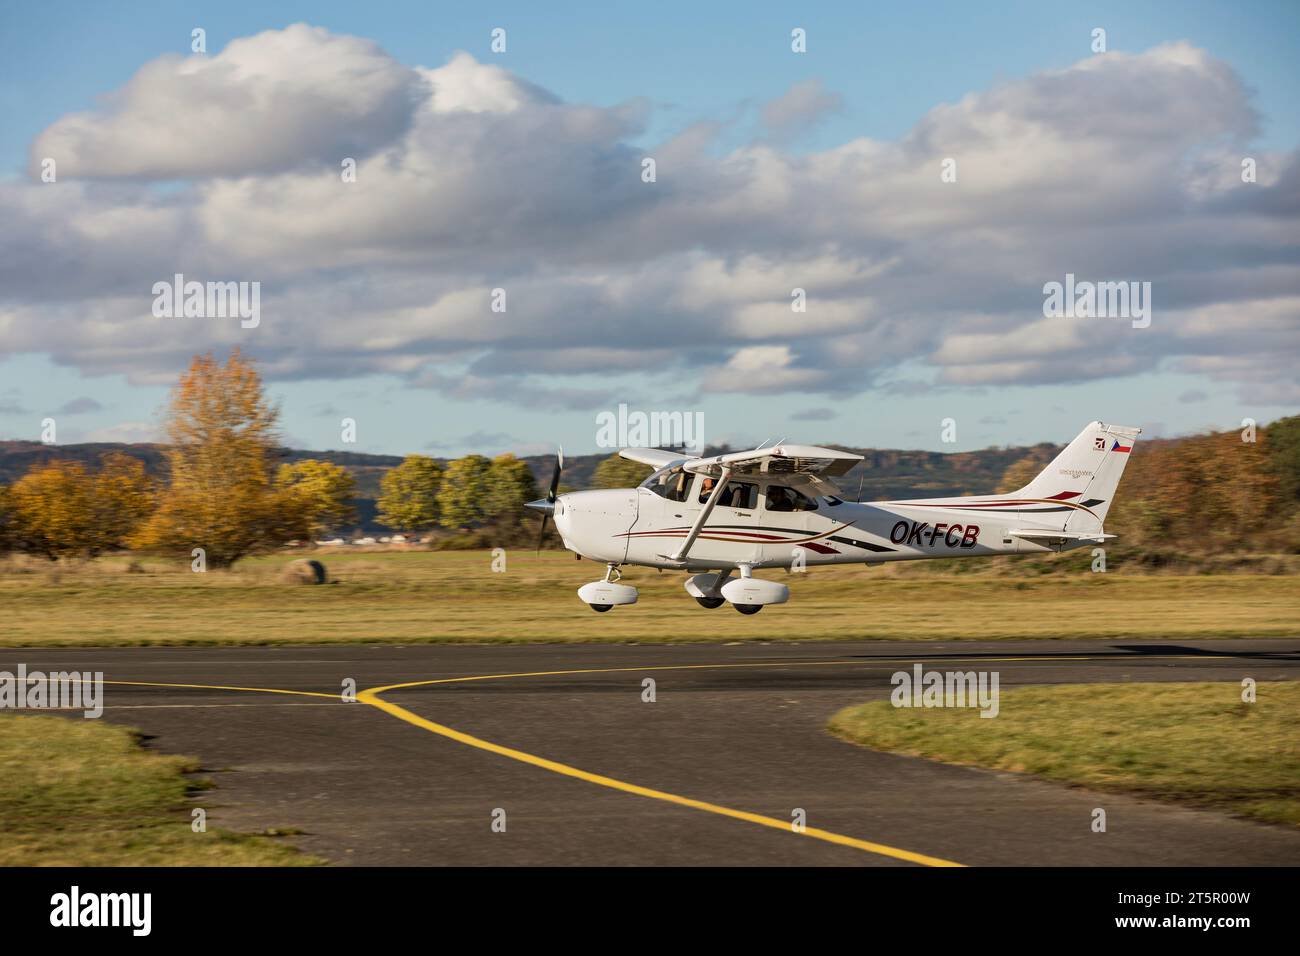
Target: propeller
547 505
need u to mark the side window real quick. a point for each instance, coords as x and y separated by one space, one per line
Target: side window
677 485
781 498
737 494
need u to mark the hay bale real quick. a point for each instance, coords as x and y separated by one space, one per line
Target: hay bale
303 571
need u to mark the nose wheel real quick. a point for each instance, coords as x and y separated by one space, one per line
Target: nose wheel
602 596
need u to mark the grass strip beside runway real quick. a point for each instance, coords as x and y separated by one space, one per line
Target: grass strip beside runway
436 597
1194 743
78 792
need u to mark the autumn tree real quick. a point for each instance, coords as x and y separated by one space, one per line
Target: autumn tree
462 500
619 472
59 509
53 510
408 494
122 499
316 496
221 432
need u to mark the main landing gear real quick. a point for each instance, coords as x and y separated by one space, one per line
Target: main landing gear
747 594
604 594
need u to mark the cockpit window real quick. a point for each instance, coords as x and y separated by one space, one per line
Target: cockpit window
671 483
781 498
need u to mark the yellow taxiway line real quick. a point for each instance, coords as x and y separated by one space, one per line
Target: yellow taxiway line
371 697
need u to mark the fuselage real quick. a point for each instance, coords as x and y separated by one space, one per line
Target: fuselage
764 524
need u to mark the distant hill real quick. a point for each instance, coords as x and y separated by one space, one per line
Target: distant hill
884 474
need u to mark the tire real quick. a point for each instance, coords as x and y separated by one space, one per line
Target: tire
602 608
748 608
710 603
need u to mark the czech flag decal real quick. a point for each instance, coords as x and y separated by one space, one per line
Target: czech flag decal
1118 447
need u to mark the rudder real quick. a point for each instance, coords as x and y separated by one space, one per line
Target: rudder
1085 474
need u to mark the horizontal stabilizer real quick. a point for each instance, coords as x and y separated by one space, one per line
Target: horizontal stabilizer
1059 537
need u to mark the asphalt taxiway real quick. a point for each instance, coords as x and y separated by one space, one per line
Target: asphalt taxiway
559 742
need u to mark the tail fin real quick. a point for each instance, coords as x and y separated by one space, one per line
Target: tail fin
1086 474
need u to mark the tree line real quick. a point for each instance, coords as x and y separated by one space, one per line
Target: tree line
222 493
1223 493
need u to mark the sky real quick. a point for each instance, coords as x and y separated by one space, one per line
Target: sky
522 170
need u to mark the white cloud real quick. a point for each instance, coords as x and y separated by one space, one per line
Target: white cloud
470 178
273 101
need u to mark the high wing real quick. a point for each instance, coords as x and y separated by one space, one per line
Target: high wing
656 458
795 460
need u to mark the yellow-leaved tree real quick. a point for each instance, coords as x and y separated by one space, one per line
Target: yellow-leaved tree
53 510
59 509
318 495
221 432
123 498
408 494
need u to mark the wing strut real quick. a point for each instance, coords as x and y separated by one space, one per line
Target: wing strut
703 516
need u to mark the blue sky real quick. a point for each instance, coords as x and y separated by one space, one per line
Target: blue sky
889 66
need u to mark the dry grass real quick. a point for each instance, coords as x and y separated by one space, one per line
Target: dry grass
1194 743
83 793
413 596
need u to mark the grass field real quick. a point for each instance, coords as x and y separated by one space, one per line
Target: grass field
419 596
1195 743
83 793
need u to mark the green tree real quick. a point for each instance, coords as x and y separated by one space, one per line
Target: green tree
463 500
510 485
408 494
1282 441
1020 473
318 495
8 526
619 472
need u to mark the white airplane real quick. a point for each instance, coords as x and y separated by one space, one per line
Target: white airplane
724 516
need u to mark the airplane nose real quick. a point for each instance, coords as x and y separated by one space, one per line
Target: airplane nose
542 505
